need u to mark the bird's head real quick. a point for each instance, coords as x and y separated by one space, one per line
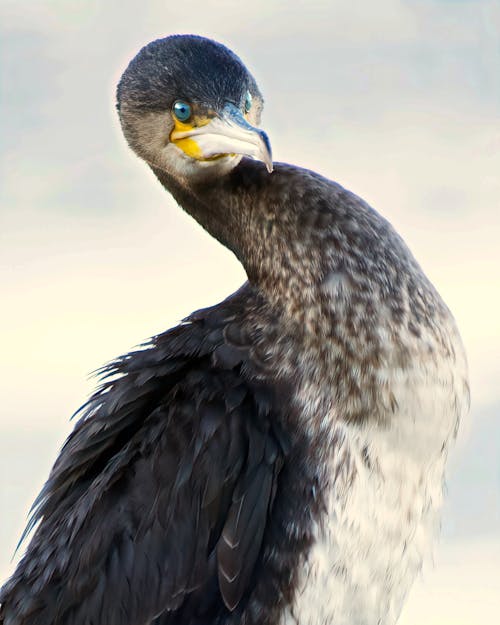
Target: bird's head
189 107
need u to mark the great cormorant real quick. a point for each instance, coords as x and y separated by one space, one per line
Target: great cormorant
279 457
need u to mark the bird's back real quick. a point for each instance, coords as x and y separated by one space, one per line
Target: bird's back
185 489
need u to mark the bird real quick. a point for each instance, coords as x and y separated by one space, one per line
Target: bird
277 458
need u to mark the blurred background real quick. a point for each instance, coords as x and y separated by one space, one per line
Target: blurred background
398 100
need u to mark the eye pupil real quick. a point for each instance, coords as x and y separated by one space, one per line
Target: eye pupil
248 101
182 110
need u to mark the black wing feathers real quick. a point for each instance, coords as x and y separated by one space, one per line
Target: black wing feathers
162 492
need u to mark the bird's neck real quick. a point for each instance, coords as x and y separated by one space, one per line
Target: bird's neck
245 211
214 205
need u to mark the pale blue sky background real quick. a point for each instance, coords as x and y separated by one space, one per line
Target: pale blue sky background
397 100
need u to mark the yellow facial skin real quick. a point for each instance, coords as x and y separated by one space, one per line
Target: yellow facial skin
188 145
208 136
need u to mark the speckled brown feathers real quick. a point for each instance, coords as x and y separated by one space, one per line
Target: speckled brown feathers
348 293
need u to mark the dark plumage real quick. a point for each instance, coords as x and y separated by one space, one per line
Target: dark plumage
303 420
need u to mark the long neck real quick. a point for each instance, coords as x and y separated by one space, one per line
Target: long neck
348 294
214 205
246 211
315 250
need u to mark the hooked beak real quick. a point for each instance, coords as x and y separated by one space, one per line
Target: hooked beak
228 134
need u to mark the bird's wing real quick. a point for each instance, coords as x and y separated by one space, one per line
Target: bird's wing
163 488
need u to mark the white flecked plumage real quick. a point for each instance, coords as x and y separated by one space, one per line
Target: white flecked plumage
385 487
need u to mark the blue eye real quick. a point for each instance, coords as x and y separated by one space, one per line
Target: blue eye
248 101
182 110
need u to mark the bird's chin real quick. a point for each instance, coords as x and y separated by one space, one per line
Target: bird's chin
185 168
